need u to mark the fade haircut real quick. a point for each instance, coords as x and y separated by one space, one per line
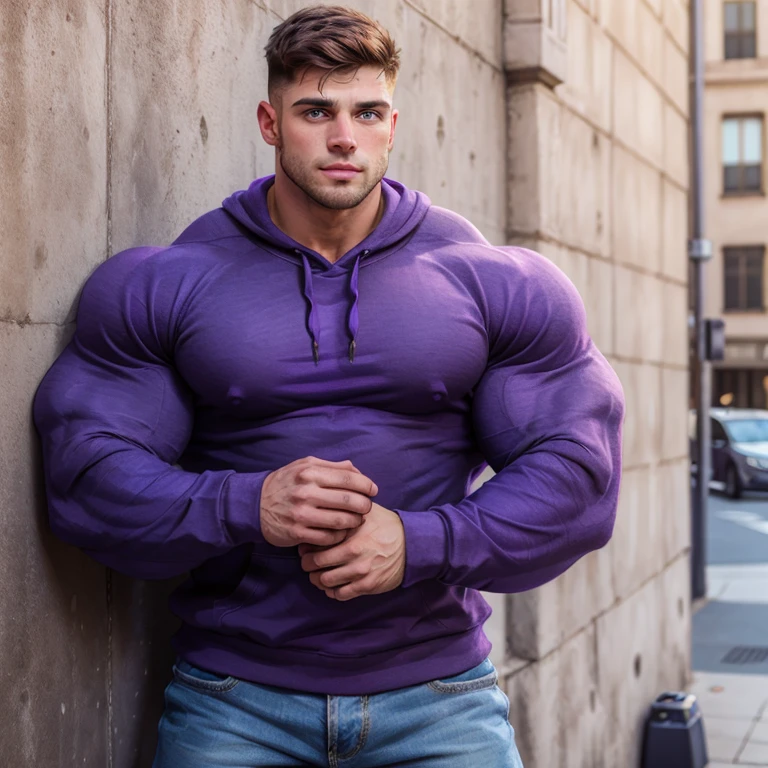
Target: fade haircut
333 39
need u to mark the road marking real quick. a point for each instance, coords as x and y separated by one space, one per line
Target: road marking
738 583
746 519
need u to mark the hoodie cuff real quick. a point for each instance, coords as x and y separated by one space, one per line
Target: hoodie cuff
241 507
425 545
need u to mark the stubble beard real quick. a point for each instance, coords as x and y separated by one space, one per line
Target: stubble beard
340 196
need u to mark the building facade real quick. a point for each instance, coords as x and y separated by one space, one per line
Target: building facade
736 100
560 125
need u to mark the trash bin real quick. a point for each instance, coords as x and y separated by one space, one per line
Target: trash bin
674 734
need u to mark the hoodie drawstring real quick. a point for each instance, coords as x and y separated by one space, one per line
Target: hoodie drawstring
353 319
313 322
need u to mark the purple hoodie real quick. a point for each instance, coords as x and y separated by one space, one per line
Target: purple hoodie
420 355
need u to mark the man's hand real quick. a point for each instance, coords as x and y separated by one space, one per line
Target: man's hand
370 561
314 501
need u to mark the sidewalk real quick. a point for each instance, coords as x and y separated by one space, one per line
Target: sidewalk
730 656
735 709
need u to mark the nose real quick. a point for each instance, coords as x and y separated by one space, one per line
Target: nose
341 137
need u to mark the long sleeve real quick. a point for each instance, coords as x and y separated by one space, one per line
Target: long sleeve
114 417
547 416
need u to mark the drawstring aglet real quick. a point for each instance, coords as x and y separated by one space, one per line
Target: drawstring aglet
352 347
315 351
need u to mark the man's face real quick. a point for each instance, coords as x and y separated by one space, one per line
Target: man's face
335 145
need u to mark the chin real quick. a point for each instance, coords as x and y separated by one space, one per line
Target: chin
340 198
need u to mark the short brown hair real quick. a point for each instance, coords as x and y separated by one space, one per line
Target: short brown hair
332 39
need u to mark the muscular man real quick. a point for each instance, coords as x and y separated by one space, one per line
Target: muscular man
291 402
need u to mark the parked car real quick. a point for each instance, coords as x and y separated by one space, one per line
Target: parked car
739 448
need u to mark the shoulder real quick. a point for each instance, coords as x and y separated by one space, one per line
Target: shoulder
142 292
145 267
451 236
446 227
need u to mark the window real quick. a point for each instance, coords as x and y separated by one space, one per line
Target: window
743 270
742 155
740 38
742 388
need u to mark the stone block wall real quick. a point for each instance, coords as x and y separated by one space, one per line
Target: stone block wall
122 120
598 179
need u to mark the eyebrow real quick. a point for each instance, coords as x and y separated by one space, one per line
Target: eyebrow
310 101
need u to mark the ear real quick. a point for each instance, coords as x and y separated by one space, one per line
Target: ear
392 125
267 117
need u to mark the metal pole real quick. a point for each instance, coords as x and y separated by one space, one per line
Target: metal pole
699 251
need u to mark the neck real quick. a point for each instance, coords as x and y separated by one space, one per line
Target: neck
331 233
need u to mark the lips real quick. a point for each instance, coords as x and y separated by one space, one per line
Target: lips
341 171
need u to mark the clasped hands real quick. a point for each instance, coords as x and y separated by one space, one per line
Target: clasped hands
348 545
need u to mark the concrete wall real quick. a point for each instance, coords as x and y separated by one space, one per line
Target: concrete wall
122 120
605 154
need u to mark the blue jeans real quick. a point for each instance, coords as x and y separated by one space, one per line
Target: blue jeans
457 722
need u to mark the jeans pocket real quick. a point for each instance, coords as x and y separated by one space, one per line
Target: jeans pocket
479 678
202 679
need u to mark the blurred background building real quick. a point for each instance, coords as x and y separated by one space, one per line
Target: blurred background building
736 49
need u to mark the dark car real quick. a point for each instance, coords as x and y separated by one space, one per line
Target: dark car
739 449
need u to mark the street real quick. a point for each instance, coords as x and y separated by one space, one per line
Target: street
736 616
730 633
733 528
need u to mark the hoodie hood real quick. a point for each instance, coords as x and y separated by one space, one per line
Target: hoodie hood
404 210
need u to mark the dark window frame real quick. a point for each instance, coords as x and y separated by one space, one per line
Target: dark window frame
740 43
743 275
737 178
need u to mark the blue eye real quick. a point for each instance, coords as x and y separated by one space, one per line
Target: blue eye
313 113
370 115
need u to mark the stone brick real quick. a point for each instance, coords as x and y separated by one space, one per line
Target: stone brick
620 19
523 10
674 498
496 627
635 552
674 413
52 157
601 305
142 660
650 44
574 182
523 178
675 232
676 21
583 705
640 331
655 6
185 133
637 110
53 634
642 428
675 622
637 211
675 78
477 24
542 619
457 161
587 89
556 709
675 320
675 146
629 670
